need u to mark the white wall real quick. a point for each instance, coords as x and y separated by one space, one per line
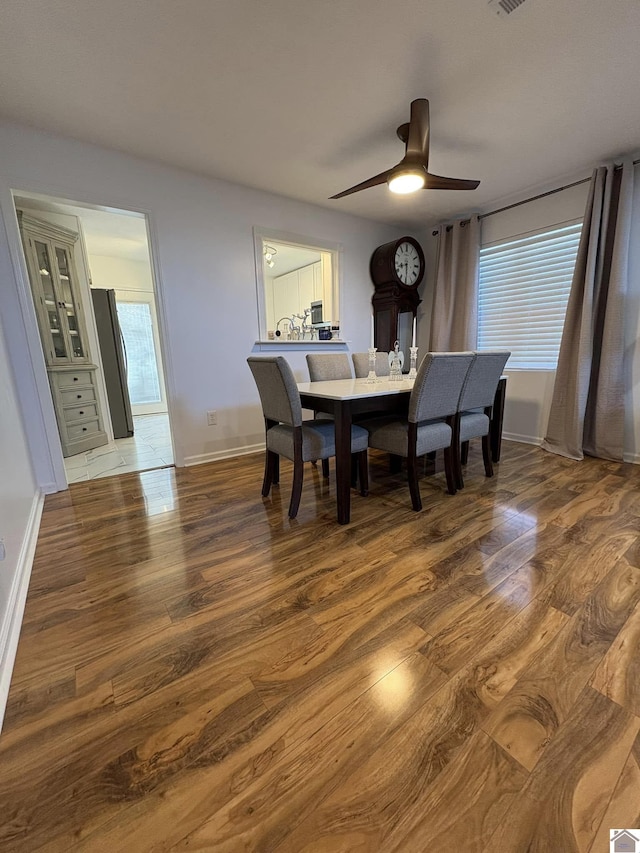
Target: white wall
202 245
20 507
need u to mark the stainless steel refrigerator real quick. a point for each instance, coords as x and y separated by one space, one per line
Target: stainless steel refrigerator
114 361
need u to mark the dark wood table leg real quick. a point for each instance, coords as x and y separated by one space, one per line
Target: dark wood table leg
495 430
343 461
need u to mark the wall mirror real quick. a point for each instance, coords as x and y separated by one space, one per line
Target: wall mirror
298 287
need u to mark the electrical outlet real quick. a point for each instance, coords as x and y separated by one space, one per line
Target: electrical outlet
212 418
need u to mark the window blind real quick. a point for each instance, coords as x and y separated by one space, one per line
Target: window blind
523 292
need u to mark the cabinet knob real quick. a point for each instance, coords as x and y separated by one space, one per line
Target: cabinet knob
75 378
82 413
78 396
84 429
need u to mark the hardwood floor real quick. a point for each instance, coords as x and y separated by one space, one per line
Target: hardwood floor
198 672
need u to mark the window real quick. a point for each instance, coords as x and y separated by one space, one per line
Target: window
293 274
136 316
524 288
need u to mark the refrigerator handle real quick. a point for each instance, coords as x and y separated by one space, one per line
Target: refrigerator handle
124 350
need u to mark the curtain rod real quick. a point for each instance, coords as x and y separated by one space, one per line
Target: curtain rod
534 198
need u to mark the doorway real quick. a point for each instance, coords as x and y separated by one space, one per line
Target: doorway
112 256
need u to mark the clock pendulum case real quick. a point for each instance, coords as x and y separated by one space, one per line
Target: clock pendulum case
396 268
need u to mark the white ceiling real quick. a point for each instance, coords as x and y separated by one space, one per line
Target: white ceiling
288 258
303 98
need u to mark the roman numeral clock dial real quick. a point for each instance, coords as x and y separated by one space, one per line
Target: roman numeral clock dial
407 262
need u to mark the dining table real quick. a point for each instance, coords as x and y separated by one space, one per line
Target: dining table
346 398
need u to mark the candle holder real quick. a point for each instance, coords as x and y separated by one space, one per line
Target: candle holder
371 377
414 361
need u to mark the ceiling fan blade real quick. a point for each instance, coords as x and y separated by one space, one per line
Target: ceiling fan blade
418 138
437 182
372 182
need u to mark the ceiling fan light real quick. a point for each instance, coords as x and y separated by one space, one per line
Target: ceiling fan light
406 182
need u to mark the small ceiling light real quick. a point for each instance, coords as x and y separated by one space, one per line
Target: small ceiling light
406 181
268 253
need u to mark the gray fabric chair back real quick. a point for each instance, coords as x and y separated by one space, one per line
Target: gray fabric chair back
361 364
438 385
277 387
482 380
330 365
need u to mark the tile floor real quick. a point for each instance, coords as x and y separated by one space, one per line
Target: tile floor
149 447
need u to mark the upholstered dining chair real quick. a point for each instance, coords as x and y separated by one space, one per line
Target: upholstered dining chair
475 407
361 364
328 365
322 367
289 436
430 424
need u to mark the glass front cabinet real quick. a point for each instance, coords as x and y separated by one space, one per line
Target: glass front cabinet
55 288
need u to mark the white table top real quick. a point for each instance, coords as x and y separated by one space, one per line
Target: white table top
354 389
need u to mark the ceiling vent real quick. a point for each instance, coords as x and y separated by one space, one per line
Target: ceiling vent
505 7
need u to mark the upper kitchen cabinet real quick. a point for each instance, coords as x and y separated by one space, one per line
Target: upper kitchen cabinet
49 253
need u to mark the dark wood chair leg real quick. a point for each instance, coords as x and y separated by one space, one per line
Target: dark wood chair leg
268 472
363 471
455 446
395 464
325 468
412 467
497 416
296 489
275 477
486 455
414 488
464 452
449 469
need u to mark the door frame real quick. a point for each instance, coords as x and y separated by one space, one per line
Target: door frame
33 390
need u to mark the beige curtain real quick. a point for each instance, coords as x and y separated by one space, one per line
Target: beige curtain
587 411
454 316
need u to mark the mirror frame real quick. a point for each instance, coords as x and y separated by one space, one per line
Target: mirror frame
268 235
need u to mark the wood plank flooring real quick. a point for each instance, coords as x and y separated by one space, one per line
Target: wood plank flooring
197 672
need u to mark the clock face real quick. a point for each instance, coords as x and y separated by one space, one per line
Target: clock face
407 263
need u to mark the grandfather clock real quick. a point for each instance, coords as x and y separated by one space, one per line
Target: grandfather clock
396 268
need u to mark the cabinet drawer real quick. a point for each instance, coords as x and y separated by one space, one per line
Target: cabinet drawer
71 379
79 413
77 431
80 395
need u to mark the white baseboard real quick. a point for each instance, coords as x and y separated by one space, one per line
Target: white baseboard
525 439
245 450
10 629
632 457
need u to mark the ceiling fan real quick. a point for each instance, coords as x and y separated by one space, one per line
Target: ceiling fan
412 173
